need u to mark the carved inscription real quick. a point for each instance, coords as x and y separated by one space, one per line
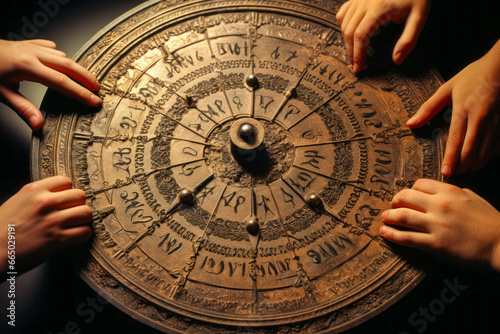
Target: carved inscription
238 169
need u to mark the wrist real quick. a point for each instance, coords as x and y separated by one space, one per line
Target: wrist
493 57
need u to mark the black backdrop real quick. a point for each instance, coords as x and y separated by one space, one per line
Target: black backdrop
51 299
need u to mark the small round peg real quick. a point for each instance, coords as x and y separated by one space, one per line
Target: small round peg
253 226
186 197
252 81
246 131
314 201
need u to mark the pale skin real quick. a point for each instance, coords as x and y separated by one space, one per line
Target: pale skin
47 215
359 19
474 94
447 221
40 61
444 219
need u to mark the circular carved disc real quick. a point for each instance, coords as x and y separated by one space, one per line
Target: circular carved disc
172 196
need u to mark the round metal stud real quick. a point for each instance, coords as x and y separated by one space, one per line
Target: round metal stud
252 81
314 201
246 131
253 226
186 197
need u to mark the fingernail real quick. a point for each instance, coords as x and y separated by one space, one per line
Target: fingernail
413 120
398 58
32 121
95 99
384 215
383 230
445 170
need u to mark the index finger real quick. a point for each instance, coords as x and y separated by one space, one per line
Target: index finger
63 84
364 32
436 103
54 183
72 69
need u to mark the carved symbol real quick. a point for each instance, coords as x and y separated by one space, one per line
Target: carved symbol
204 193
232 48
128 123
309 134
197 126
150 89
364 216
266 207
265 101
188 171
237 101
198 56
323 69
175 63
292 110
306 180
316 64
288 198
294 55
276 53
121 162
229 198
190 151
212 112
329 248
314 156
137 216
169 245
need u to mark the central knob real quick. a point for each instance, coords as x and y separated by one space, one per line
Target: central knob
246 134
246 131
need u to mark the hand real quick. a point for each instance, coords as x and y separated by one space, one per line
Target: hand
39 61
359 19
445 220
474 93
48 215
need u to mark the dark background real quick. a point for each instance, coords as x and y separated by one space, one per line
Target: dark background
48 298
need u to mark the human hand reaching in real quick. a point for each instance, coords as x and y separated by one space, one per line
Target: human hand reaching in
359 19
474 94
445 220
40 61
47 215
